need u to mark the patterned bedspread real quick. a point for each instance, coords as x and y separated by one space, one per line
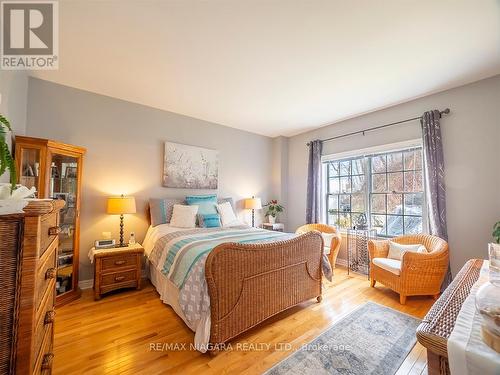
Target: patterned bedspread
181 257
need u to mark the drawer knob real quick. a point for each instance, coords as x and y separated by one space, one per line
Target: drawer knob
50 273
47 361
120 262
49 317
119 278
53 231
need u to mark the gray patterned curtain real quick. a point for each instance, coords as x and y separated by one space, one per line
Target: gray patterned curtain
434 178
313 204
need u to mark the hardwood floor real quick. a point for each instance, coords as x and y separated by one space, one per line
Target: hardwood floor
115 335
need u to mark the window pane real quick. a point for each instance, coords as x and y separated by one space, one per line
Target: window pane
395 181
418 158
345 185
333 218
378 163
413 204
358 184
378 203
395 204
395 162
359 220
358 166
345 168
334 186
344 220
358 203
413 225
378 223
413 181
345 203
333 169
394 225
410 160
379 185
333 202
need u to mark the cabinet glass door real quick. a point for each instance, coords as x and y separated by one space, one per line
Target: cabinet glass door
63 183
29 173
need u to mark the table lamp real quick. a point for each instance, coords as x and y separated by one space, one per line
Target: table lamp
253 204
119 206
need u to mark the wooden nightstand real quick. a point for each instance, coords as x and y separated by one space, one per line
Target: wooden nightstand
116 268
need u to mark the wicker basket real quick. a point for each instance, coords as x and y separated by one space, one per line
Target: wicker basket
11 232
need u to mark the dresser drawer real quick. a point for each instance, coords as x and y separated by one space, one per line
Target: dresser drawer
117 278
118 261
44 361
44 319
46 273
49 230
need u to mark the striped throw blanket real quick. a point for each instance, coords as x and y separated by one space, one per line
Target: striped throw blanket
183 252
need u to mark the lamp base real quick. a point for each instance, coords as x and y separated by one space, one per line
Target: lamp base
122 243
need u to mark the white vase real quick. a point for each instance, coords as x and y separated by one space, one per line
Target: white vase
272 219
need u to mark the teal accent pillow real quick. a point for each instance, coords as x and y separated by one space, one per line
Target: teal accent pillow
207 204
209 221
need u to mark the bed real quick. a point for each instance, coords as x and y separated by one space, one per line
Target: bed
224 281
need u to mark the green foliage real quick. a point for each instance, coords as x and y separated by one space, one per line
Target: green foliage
274 208
6 159
496 232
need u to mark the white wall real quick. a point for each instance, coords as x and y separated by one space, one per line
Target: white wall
124 144
471 141
13 98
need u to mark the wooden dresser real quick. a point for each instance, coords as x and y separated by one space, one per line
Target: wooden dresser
33 245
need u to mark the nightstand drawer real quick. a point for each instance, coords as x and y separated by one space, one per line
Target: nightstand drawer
117 261
118 278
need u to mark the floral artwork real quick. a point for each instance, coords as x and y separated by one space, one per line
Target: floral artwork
190 167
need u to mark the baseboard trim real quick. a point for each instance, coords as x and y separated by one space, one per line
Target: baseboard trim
86 284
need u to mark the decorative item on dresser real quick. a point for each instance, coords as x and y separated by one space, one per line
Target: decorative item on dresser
55 170
116 268
278 227
29 268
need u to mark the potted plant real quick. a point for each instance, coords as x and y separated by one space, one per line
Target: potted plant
12 196
6 159
273 209
496 232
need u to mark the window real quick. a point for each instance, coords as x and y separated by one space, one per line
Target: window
383 190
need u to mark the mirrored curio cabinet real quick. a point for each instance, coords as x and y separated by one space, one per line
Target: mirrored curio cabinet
55 170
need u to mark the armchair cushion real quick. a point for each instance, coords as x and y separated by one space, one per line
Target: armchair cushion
397 250
391 265
327 250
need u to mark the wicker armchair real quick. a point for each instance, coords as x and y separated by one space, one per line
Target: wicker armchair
418 273
332 249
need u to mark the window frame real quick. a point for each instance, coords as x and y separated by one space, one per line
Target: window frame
367 154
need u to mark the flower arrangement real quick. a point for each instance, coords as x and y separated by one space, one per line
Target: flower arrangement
6 159
496 232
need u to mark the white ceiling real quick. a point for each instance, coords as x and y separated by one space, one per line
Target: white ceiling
275 67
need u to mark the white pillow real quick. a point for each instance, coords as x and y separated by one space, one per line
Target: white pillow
327 238
227 216
184 216
397 250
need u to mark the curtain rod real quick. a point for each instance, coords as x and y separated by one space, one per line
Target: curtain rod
444 112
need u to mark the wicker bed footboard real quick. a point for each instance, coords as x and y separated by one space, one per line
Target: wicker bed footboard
248 283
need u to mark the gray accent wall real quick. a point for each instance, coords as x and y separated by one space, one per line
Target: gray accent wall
471 141
124 144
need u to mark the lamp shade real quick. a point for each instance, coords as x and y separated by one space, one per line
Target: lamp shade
121 205
253 203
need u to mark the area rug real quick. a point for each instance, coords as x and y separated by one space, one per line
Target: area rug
373 339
